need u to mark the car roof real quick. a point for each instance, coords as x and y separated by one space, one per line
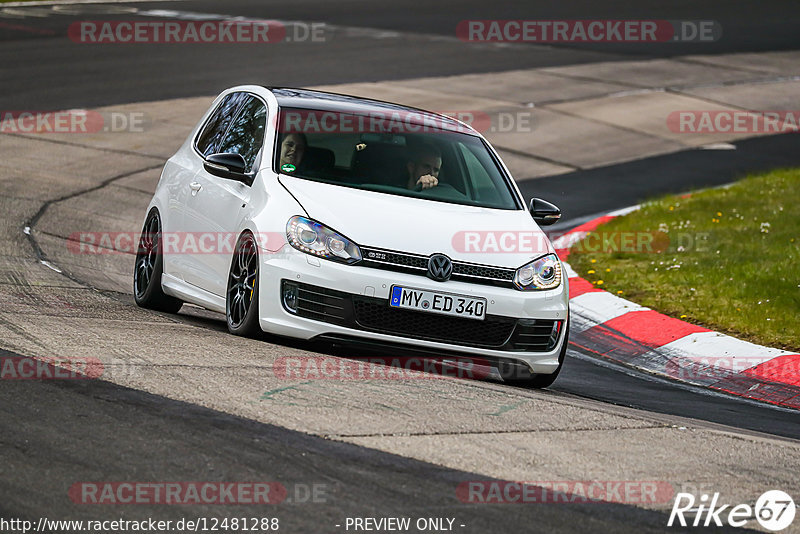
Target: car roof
323 101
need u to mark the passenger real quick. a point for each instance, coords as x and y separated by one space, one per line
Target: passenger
423 166
293 146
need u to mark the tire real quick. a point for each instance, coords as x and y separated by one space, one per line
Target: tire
241 295
149 267
519 375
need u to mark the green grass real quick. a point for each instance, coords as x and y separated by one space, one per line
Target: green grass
727 258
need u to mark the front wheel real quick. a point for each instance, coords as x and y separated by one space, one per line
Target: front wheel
517 375
241 297
149 267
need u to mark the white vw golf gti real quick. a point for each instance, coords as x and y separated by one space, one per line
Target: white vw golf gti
319 215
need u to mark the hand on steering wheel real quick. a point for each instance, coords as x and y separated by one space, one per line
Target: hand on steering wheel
426 182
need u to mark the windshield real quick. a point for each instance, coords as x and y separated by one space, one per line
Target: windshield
359 152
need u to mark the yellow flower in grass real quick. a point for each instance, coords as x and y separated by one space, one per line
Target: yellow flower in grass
620 292
590 271
599 282
683 316
608 270
593 261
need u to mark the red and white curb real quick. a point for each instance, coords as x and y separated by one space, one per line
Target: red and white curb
625 332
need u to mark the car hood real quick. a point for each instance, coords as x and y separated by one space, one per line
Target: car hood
505 238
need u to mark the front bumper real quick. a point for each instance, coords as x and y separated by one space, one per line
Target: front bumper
511 314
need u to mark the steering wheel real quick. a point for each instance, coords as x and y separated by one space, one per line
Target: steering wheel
440 186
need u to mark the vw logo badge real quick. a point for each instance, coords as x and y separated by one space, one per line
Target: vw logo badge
440 267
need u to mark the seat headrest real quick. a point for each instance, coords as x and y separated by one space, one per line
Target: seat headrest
380 163
318 159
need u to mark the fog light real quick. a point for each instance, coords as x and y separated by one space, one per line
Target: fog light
290 292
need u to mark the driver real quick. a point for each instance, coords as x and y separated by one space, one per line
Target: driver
423 167
293 146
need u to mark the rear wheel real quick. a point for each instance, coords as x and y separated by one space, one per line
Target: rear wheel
241 298
149 267
520 375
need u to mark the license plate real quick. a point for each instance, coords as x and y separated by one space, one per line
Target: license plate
437 302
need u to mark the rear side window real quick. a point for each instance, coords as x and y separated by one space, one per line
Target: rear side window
246 134
216 126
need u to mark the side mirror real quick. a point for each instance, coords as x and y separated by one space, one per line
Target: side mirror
231 166
543 212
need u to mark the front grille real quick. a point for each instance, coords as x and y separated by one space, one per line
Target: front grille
471 270
394 261
417 264
378 316
375 315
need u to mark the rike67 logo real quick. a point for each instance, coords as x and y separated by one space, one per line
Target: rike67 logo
774 510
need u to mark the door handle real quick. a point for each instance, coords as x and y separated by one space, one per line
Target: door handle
195 187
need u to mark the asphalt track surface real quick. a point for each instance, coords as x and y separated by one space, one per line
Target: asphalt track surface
120 431
153 436
50 70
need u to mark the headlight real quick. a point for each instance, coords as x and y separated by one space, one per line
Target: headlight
544 273
317 239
